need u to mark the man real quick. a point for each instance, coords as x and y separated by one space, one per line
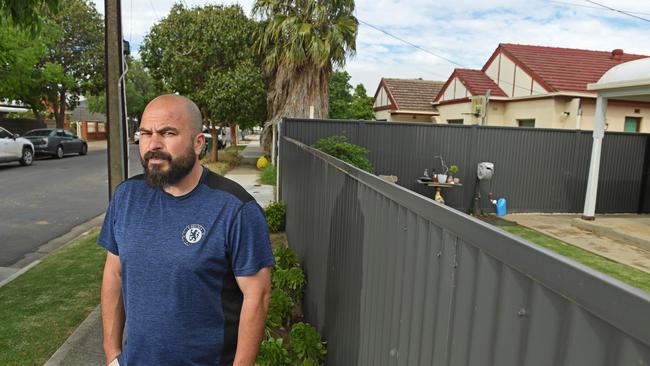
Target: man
188 259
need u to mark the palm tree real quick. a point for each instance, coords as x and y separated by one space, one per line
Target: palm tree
300 42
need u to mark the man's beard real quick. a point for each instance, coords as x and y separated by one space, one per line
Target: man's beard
179 168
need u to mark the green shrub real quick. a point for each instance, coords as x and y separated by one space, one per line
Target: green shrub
338 147
280 306
306 345
285 258
275 214
273 353
291 281
269 175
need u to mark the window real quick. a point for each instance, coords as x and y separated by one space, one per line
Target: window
632 124
4 134
91 127
101 127
455 121
527 123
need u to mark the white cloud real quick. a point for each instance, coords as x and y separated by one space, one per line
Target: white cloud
466 31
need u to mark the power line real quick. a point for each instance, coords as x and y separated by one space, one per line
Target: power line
154 10
618 11
409 43
590 7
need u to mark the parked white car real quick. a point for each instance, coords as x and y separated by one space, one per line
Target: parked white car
15 148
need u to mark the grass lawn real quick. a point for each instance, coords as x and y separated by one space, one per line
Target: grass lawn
41 308
228 159
622 272
235 148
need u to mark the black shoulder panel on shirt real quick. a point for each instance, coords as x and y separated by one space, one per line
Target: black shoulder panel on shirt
215 181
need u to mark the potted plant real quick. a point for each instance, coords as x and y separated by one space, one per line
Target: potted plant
444 177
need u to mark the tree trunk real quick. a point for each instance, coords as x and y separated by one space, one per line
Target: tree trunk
233 134
214 154
38 117
59 110
292 91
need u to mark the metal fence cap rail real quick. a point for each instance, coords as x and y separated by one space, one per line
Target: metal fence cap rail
615 302
444 125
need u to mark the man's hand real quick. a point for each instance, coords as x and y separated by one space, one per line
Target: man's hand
112 307
257 291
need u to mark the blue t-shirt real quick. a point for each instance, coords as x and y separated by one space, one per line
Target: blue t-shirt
179 258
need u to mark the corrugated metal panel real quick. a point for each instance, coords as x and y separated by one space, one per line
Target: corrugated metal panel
393 278
537 170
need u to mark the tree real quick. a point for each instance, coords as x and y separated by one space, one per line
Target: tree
79 53
340 98
25 74
26 13
205 53
140 89
300 42
361 107
343 104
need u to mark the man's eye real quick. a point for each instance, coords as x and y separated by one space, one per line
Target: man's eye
169 133
143 133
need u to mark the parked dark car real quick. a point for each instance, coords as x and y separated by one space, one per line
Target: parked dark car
56 142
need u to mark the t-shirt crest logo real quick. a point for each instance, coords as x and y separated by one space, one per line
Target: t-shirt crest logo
193 234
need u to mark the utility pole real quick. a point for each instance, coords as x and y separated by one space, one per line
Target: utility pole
116 117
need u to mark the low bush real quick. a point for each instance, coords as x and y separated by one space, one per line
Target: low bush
289 341
306 345
285 258
275 214
280 306
339 147
273 353
291 281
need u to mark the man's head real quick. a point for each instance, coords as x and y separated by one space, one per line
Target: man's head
170 139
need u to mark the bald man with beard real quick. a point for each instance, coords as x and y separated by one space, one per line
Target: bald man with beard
188 254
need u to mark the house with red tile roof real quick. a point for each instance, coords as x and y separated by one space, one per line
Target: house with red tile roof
535 86
406 100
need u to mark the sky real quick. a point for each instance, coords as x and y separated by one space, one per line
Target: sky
449 34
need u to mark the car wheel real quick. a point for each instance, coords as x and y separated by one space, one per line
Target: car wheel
59 152
84 149
27 157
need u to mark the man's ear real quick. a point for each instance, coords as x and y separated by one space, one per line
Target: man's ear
199 141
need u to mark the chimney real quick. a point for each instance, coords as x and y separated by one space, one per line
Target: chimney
617 54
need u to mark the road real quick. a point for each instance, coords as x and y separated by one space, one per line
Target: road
44 201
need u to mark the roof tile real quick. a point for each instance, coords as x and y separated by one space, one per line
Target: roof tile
413 94
565 69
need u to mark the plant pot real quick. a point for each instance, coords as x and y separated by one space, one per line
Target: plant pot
442 178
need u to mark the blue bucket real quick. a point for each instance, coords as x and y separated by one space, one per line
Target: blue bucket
501 207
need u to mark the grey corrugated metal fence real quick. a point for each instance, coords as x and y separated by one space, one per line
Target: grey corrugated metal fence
537 170
393 278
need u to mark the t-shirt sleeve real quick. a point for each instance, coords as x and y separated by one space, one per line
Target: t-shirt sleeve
107 234
250 247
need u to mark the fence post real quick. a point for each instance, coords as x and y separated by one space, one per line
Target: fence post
278 180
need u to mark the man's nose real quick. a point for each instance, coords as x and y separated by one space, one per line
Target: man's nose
155 142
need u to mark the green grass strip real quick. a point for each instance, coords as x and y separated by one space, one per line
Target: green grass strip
235 148
622 272
269 175
41 308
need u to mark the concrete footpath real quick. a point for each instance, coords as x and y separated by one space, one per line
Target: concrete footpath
84 346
